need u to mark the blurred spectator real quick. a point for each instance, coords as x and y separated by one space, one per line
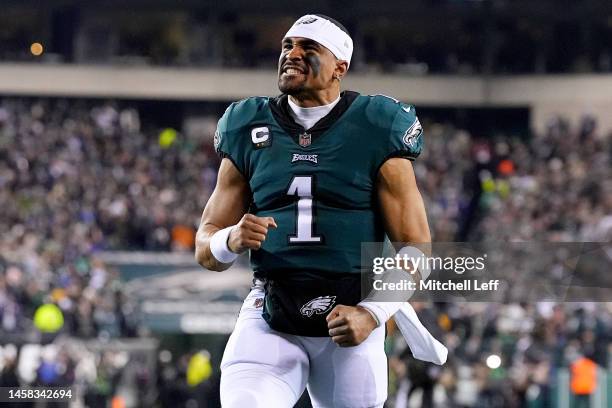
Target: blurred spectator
583 381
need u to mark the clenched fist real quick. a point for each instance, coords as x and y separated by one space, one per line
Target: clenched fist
249 233
350 325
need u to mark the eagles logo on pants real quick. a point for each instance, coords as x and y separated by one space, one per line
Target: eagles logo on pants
320 305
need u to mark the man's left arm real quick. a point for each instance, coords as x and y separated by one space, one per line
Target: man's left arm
405 221
401 203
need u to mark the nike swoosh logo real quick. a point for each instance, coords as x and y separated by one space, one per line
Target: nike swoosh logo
407 110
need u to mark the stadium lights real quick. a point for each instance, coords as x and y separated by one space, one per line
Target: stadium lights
36 49
493 361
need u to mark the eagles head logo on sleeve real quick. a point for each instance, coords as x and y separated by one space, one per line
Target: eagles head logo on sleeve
412 133
319 305
216 139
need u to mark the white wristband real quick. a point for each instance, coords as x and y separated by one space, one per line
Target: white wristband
219 248
381 311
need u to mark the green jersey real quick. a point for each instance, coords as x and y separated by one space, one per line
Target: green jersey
318 184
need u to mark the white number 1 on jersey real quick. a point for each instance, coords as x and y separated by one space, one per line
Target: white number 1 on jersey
302 187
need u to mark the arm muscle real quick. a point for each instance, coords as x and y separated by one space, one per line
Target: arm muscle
401 203
227 204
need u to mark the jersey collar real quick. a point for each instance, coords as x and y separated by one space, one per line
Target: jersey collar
281 112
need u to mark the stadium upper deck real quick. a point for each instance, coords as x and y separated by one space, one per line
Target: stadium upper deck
476 37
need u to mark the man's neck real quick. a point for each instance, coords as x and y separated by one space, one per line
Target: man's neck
308 117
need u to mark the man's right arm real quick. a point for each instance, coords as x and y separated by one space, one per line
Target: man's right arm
227 207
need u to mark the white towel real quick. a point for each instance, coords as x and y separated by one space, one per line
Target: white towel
423 345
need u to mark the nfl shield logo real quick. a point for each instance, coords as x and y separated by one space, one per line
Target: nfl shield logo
305 139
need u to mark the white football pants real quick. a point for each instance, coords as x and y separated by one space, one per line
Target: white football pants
264 368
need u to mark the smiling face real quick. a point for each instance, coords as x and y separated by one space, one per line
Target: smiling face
305 67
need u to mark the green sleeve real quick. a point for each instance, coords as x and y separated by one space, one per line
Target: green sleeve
228 141
406 134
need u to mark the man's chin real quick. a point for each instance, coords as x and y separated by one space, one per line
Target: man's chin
290 89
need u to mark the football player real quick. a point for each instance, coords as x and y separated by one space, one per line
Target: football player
305 178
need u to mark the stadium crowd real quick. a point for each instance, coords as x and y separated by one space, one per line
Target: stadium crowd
554 187
77 178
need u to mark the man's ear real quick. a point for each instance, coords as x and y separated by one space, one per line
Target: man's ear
341 69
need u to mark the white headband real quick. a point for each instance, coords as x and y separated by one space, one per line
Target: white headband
324 32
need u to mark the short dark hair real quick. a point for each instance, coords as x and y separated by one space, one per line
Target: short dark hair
340 26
